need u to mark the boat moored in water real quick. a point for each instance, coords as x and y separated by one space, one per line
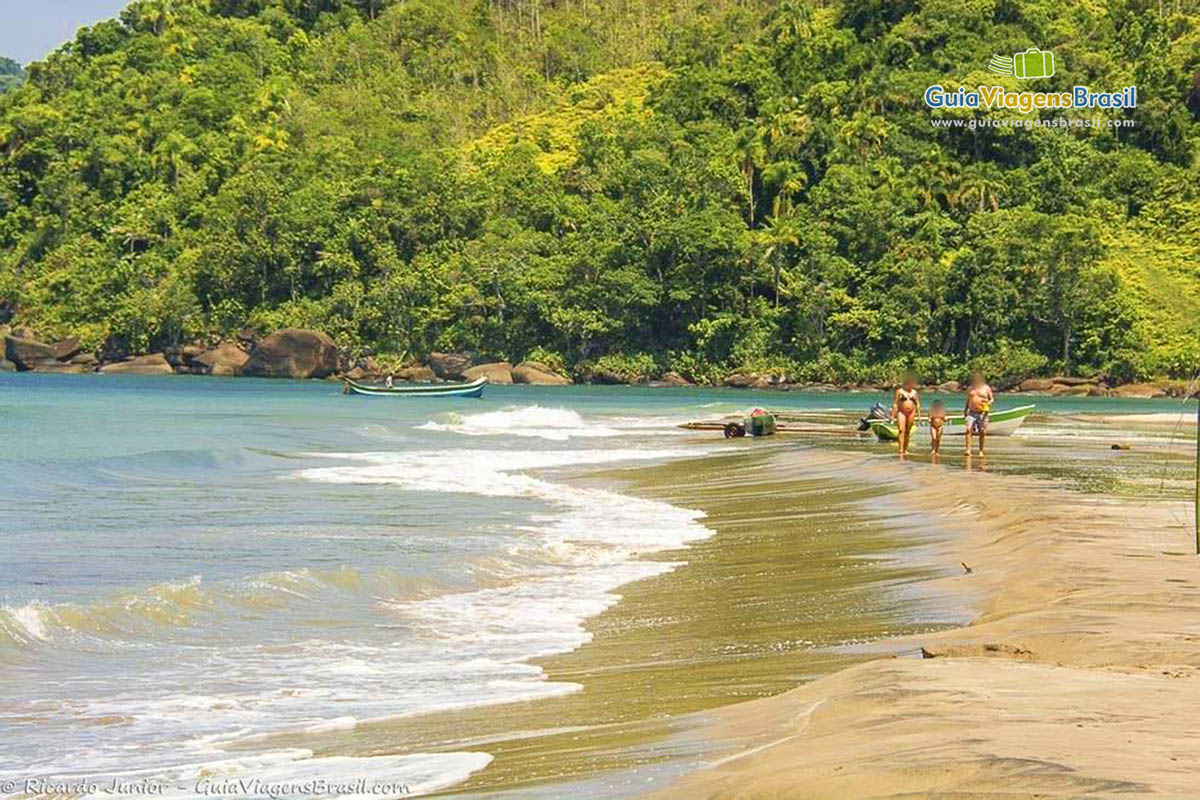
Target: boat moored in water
471 389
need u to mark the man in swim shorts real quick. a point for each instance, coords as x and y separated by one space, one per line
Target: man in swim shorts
979 405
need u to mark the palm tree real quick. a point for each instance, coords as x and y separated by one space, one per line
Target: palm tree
173 153
791 21
981 185
749 150
865 133
781 232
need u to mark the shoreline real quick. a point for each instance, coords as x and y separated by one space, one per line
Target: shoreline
1068 681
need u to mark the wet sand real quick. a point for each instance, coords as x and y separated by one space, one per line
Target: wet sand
1077 678
804 570
1059 664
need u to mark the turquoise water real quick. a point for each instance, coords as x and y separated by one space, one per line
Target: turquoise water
191 563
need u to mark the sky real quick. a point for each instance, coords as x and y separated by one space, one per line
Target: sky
34 28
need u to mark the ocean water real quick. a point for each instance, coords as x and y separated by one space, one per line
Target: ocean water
190 565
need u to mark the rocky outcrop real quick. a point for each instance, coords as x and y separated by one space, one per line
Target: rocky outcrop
226 359
7 366
64 368
66 349
609 377
949 387
293 353
538 374
1063 385
1075 390
153 364
449 366
415 374
748 380
1140 390
671 379
27 353
498 372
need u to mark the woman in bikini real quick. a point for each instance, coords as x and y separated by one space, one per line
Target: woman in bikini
906 406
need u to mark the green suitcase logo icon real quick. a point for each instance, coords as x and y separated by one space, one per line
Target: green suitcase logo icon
1033 63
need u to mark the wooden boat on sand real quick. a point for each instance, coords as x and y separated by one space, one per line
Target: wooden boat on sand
1000 423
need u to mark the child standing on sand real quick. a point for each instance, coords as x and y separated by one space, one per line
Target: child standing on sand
937 420
906 406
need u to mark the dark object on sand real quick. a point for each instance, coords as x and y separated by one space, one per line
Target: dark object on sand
877 412
1120 446
758 422
969 571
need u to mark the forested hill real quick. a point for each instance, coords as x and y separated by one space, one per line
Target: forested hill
11 74
633 185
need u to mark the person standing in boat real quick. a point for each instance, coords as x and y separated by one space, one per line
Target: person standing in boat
977 410
906 407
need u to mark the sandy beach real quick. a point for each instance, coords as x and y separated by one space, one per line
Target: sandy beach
1073 680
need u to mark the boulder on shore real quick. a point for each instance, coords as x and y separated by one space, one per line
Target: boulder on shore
27 353
671 379
293 353
449 366
225 359
538 374
949 387
498 372
153 364
66 349
7 366
1073 390
63 368
1063 380
1035 385
415 374
747 380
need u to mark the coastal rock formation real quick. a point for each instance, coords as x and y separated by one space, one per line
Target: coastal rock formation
62 368
748 380
950 387
449 366
415 374
537 373
499 372
1140 390
672 379
293 353
609 377
26 352
225 359
66 349
1035 385
153 364
7 366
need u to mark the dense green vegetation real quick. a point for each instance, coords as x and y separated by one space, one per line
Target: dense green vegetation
699 185
11 74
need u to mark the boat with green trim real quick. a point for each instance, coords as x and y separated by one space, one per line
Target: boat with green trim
472 389
1000 423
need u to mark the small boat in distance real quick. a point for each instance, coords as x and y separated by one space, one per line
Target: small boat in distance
1000 423
471 389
